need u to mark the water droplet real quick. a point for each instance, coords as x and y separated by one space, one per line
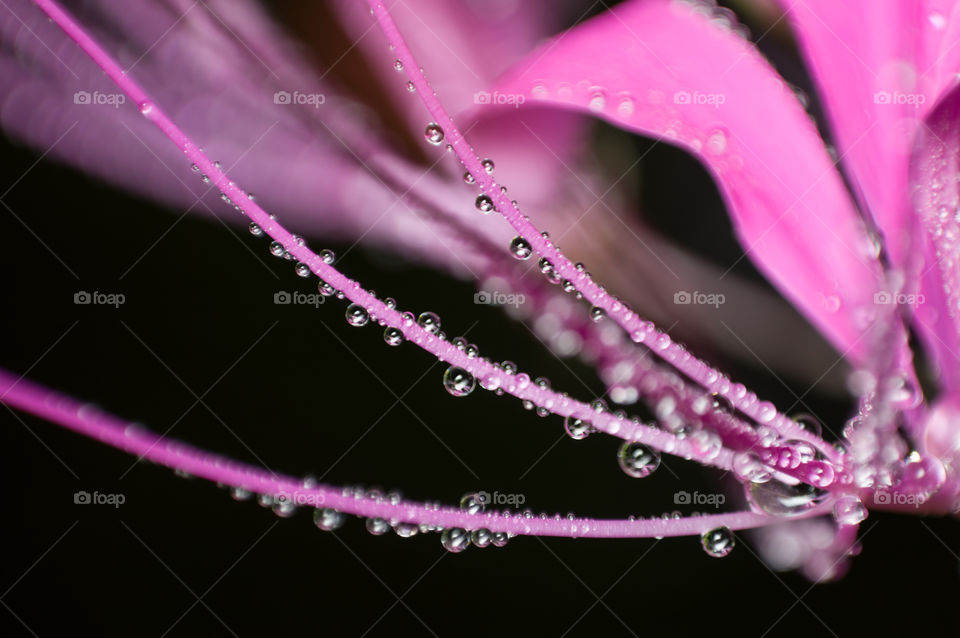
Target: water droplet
481 537
284 507
637 460
255 230
577 429
749 468
357 315
520 248
240 494
302 269
377 526
328 519
392 336
766 411
779 499
146 107
276 249
455 539
433 134
406 530
411 88
429 321
490 382
458 382
327 256
718 542
325 289
484 204
809 423
717 142
848 510
597 102
597 313
398 65
468 179
488 166
473 503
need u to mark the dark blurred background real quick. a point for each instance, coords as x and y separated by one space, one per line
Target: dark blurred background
200 350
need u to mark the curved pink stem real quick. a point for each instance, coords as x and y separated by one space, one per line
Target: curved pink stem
134 438
640 330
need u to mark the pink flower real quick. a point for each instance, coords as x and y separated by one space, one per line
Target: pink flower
866 264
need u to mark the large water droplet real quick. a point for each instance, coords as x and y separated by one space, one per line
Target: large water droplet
520 248
429 321
577 429
392 336
302 269
327 256
718 542
481 537
637 460
484 204
455 539
433 134
779 499
357 315
458 382
255 229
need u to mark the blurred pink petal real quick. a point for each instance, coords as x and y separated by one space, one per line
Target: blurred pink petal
664 69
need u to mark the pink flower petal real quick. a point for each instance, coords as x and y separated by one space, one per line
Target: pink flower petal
880 70
665 69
